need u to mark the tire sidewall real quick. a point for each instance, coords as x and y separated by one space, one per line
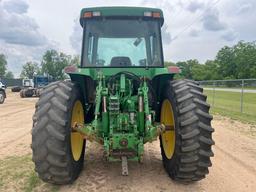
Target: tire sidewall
169 164
75 166
193 132
2 96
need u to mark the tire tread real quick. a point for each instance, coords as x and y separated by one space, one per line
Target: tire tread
191 158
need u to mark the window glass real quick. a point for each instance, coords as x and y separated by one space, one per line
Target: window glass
116 42
121 47
90 49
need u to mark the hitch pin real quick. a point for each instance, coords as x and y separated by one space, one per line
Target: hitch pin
124 166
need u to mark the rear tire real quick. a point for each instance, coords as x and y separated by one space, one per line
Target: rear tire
22 93
51 134
37 92
193 132
2 96
16 89
28 92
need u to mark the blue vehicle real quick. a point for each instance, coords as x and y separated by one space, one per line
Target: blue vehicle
40 81
33 87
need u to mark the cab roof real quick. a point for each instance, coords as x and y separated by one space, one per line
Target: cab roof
124 12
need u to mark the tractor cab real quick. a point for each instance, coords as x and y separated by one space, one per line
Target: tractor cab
27 83
122 37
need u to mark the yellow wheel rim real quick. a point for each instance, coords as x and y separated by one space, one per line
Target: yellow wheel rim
76 138
168 137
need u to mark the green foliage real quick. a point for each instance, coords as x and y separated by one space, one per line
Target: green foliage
212 70
198 72
185 69
3 65
191 69
245 59
3 68
53 64
75 60
237 62
9 75
225 59
169 63
29 70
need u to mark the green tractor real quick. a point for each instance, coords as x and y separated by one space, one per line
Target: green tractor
122 97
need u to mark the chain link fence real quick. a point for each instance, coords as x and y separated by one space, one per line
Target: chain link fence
11 82
232 95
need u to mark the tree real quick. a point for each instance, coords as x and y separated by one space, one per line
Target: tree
169 63
212 70
9 75
75 60
237 62
253 72
186 68
53 64
29 70
3 65
226 60
198 72
245 59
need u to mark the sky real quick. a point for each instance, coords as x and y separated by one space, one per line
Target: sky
193 29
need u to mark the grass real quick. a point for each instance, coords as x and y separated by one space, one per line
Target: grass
32 182
228 104
226 87
17 174
245 118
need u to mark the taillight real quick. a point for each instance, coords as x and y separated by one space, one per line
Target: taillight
156 15
87 14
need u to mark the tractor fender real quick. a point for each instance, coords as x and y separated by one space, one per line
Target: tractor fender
87 86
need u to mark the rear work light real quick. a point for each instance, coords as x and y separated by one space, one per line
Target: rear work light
92 14
148 14
96 14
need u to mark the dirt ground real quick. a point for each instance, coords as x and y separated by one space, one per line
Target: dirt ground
234 163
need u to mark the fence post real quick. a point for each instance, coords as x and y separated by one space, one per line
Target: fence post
213 94
242 97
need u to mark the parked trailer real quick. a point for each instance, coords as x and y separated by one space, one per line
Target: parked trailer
33 87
